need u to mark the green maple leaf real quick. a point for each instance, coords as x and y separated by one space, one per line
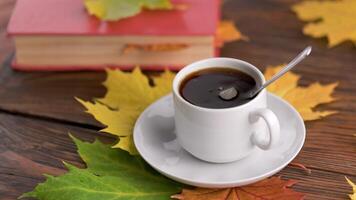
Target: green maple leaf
110 174
117 9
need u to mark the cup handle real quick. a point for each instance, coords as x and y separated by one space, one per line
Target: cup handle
273 128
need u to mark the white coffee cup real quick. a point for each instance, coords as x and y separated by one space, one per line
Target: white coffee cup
227 134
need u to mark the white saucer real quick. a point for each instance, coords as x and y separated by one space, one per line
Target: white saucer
155 140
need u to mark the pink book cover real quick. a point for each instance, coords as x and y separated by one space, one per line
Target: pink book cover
69 17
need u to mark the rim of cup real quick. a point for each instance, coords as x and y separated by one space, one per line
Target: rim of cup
189 69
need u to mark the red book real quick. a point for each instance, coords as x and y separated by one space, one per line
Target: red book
61 35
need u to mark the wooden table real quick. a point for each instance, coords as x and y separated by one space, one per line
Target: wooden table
37 109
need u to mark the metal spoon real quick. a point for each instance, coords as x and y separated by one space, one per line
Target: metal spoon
232 92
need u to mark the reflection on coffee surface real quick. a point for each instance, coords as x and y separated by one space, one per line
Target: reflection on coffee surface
217 87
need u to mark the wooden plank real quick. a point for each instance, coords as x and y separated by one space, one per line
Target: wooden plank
29 148
50 94
319 184
39 146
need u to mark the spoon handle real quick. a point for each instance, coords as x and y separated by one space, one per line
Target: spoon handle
288 67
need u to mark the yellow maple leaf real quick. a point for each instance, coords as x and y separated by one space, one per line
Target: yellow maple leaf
333 19
352 196
228 32
128 94
304 99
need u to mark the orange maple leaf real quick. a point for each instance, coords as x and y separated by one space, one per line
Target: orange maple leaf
268 189
228 32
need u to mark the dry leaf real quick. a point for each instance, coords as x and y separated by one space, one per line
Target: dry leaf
304 99
352 196
153 47
334 19
272 188
128 94
227 32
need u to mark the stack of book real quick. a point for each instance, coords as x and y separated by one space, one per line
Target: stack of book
61 35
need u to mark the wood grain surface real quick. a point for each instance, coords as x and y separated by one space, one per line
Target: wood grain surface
37 109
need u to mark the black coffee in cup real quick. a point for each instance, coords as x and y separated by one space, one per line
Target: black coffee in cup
204 88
